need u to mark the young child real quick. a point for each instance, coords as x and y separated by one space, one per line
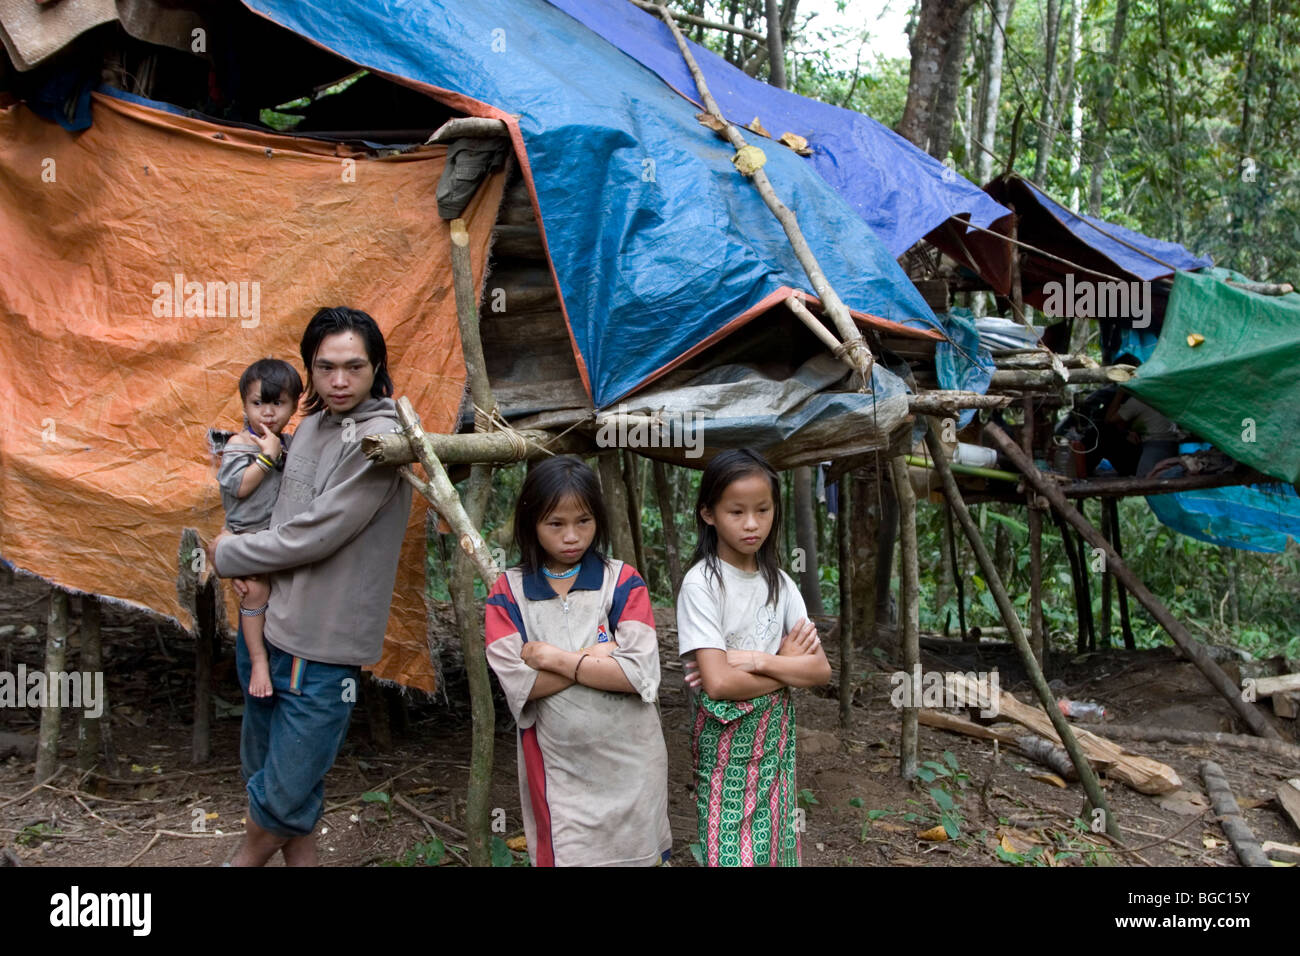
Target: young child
251 466
742 627
571 637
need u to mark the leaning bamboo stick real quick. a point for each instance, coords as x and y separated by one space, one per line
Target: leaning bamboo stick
854 344
1087 777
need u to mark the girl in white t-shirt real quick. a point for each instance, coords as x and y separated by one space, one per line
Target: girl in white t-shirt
742 627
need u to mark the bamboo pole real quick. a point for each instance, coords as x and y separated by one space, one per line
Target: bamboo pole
1050 378
1035 521
854 344
56 648
668 518
908 606
1253 716
842 538
957 580
1087 776
1111 507
478 802
940 403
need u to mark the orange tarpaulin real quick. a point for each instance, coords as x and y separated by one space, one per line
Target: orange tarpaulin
148 261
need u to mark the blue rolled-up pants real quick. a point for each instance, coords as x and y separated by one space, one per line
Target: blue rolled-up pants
289 741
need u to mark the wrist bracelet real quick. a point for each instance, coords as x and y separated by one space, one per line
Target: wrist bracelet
262 465
264 460
579 664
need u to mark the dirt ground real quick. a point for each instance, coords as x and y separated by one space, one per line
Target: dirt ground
148 811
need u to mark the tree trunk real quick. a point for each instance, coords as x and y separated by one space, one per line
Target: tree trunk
616 506
668 518
56 649
805 528
935 32
89 739
775 45
863 514
1001 15
1105 95
1047 116
908 609
205 640
1074 96
944 110
632 484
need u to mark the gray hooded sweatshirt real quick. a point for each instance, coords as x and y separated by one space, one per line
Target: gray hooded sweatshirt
332 548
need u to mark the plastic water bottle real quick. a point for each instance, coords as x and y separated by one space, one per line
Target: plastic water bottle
1080 710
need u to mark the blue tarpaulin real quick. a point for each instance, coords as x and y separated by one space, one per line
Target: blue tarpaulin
658 244
1136 254
900 191
1248 517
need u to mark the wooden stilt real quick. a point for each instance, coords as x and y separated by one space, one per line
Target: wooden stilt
1035 522
958 579
1072 558
908 609
1112 511
1085 590
632 487
805 528
89 739
56 648
843 539
1087 776
1107 581
614 490
1250 713
668 519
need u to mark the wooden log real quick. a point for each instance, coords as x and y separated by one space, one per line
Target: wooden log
1091 785
1045 378
462 270
1288 798
1264 288
469 127
942 720
845 554
518 397
1252 714
1268 686
949 403
89 738
56 648
1281 852
908 606
1230 818
1278 748
1038 359
1143 774
1286 706
1052 757
1129 487
482 447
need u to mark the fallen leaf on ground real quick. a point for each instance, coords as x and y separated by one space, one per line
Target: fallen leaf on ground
934 834
1051 778
518 844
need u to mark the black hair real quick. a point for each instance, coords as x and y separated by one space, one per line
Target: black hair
546 485
725 469
276 377
331 321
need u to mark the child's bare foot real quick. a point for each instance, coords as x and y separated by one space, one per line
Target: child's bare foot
259 685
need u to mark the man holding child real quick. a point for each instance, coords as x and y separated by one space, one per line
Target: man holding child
331 552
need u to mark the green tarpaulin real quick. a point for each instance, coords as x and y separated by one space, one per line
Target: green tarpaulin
1239 388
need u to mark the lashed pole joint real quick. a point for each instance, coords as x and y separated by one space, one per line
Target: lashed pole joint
859 355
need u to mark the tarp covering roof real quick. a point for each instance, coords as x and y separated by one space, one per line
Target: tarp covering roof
1238 388
148 261
1248 517
657 243
901 191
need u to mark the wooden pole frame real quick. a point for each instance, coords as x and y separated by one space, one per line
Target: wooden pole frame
1253 716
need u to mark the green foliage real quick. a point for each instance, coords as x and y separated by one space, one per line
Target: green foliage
431 853
502 855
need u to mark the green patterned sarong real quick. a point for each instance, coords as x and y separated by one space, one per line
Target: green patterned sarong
744 780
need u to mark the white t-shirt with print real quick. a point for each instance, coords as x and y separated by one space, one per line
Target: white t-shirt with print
737 615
